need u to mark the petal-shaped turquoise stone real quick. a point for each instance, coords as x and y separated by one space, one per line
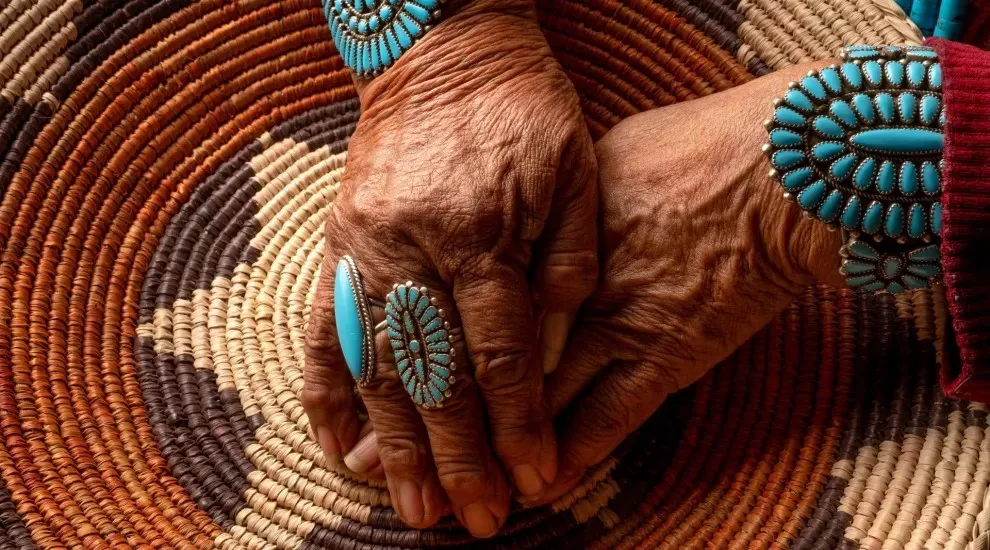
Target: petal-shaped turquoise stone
439 382
814 87
410 24
873 72
853 267
829 128
350 330
435 393
383 51
930 106
930 253
909 178
885 104
863 250
435 324
385 12
827 150
914 282
374 22
841 110
860 280
428 315
895 220
831 207
852 75
852 213
784 138
402 295
885 182
796 179
404 40
895 288
922 51
440 371
863 177
917 221
812 195
393 44
862 51
916 73
785 159
376 60
428 4
417 12
873 218
362 26
843 167
908 104
899 140
789 117
436 337
864 106
422 303
923 270
936 217
935 76
872 287
892 266
931 181
441 358
831 79
798 100
895 72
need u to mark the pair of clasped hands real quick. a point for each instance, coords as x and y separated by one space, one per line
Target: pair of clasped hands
590 280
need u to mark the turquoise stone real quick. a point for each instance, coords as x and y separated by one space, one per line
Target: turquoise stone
935 76
917 222
436 336
841 110
376 60
441 347
383 50
435 393
428 315
350 330
873 218
862 51
428 4
827 127
411 26
873 72
385 12
782 160
863 250
895 288
861 280
916 73
827 150
374 22
852 75
439 383
885 182
443 372
831 79
895 72
831 207
853 267
784 138
908 104
885 104
864 106
363 26
414 346
796 179
914 282
812 195
435 324
404 39
865 173
421 304
931 181
923 270
798 100
895 220
843 167
930 106
936 217
922 51
442 358
909 178
930 253
899 140
345 17
789 117
353 23
813 86
393 44
892 266
417 12
852 213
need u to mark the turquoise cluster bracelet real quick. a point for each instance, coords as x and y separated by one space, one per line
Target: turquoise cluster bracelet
859 147
372 34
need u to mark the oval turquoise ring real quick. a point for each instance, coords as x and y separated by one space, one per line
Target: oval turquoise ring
422 342
355 328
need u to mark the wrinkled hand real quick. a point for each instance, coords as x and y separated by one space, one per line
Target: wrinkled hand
471 173
700 252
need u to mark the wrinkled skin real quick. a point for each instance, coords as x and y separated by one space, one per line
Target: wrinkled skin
700 251
471 172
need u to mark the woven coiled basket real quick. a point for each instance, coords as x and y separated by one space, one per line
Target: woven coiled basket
166 167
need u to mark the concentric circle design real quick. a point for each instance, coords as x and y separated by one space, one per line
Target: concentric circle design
166 168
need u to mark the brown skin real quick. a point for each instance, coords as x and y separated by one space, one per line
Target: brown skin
471 172
700 251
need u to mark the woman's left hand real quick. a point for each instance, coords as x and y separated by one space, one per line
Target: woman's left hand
701 250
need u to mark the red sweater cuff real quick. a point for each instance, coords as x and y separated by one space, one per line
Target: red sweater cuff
966 220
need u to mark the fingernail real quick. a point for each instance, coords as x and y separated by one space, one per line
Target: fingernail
328 442
410 502
528 480
364 455
554 335
479 520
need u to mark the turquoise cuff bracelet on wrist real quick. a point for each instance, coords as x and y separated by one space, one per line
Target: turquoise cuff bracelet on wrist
859 147
372 34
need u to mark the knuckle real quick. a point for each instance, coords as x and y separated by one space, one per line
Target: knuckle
505 369
462 480
317 395
400 451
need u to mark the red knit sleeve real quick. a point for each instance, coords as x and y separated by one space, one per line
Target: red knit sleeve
966 222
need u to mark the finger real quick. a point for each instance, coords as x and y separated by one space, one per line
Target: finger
363 457
567 254
582 361
621 400
328 388
401 443
498 318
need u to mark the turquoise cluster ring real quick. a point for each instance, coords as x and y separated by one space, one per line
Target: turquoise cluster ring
858 146
371 35
352 315
422 342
